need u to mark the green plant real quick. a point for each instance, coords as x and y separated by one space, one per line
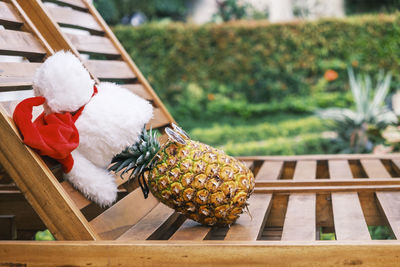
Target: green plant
44 236
261 67
361 126
231 10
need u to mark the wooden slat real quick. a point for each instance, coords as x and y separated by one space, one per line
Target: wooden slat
250 227
20 43
9 17
305 170
347 213
139 90
215 253
92 44
191 230
348 217
393 156
40 187
300 219
374 168
390 203
73 3
326 189
270 170
11 72
339 169
110 69
159 119
157 220
340 181
79 200
121 216
68 17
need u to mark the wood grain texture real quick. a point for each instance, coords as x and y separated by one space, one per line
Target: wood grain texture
270 170
300 219
77 197
123 215
250 227
340 181
20 44
348 217
9 17
305 170
347 213
191 230
92 44
154 221
40 187
374 168
11 72
389 203
339 169
110 69
68 17
139 90
215 253
392 156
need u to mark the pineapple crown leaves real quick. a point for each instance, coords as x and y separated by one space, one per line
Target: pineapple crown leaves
139 156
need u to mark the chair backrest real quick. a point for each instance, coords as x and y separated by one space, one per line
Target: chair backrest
76 26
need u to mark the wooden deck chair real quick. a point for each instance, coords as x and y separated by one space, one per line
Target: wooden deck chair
296 201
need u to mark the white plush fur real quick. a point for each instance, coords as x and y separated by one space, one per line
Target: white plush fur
110 121
64 82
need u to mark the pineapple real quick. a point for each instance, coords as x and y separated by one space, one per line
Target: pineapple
199 181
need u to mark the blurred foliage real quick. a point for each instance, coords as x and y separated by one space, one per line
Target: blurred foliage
255 68
108 10
231 10
372 6
280 134
114 10
360 128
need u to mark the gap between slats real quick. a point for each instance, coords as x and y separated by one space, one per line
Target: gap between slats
9 18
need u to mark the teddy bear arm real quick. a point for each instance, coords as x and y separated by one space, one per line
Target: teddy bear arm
96 183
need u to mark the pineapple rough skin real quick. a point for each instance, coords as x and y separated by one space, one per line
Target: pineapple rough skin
201 182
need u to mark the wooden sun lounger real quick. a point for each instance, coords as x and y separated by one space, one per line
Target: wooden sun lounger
297 199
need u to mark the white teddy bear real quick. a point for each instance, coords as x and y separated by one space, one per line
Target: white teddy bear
111 119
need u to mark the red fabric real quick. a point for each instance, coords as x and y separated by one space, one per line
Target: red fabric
53 135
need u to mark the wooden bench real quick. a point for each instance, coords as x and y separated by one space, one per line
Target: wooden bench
297 199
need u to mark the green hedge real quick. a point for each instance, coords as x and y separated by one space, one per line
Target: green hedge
239 67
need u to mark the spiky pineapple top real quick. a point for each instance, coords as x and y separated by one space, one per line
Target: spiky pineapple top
138 158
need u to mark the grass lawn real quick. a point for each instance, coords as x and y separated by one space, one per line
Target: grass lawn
283 134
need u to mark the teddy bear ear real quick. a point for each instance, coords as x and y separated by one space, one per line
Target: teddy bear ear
64 82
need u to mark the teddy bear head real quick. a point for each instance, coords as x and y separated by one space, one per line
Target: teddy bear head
64 82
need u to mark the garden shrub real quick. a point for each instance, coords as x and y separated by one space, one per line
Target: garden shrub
249 68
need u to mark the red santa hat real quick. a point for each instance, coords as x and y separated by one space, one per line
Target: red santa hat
63 86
